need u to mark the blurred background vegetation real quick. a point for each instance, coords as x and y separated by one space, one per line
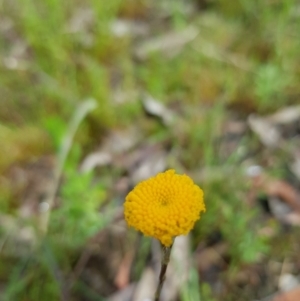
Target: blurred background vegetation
98 95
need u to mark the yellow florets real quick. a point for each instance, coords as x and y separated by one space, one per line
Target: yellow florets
164 206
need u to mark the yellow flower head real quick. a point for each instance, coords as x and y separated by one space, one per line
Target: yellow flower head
164 206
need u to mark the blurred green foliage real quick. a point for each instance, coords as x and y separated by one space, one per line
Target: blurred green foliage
245 58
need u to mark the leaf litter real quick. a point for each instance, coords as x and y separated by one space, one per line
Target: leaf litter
106 262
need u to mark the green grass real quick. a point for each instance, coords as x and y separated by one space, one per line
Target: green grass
245 59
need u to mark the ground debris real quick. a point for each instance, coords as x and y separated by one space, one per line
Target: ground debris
170 44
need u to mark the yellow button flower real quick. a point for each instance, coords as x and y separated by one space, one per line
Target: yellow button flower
164 206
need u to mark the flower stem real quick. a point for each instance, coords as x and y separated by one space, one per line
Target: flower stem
164 264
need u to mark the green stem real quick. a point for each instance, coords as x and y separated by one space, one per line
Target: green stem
164 264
